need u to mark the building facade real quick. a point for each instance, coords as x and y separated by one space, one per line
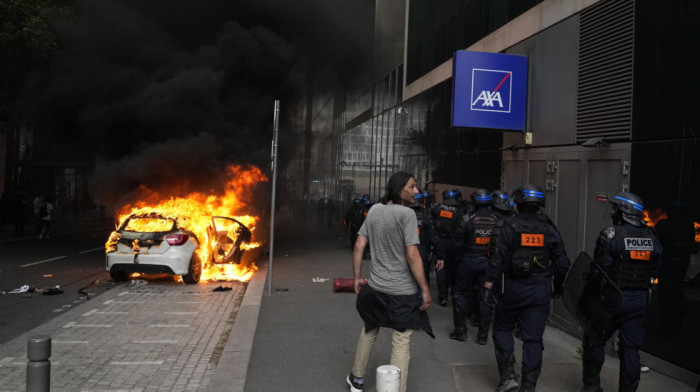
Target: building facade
610 107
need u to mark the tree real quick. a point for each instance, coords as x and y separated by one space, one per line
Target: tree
27 42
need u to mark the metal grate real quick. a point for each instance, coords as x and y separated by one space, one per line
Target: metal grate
605 71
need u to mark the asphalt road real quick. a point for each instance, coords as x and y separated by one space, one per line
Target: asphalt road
71 262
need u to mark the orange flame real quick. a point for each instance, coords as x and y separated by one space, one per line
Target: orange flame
653 216
194 213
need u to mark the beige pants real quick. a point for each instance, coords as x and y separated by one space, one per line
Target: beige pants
400 352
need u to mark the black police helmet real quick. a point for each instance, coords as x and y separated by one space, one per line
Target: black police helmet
356 202
499 199
628 203
452 197
481 197
529 193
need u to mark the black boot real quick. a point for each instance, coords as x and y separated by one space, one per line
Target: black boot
508 380
526 387
460 333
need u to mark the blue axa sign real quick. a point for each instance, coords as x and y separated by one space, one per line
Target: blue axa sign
489 90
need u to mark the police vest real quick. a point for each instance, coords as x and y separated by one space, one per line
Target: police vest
530 254
447 218
478 239
422 218
631 266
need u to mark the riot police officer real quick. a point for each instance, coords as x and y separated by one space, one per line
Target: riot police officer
446 238
500 205
529 255
471 271
630 254
423 218
348 220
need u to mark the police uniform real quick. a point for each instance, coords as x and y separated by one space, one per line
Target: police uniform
424 227
529 257
471 273
630 254
446 238
348 220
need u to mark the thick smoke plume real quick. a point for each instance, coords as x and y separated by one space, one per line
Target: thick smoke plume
167 93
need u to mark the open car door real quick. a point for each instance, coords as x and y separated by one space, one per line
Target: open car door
229 236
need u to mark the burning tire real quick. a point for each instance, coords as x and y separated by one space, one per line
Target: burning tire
194 271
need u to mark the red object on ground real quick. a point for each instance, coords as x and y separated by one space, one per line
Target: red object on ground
344 285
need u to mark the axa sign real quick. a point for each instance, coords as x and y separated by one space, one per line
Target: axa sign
489 90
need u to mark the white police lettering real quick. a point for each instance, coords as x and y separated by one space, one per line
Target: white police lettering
639 244
449 208
489 97
483 232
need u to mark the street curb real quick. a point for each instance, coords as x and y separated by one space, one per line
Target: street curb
230 374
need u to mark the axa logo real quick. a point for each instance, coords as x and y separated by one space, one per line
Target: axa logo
491 90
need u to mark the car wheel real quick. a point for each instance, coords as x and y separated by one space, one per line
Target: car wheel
118 276
194 272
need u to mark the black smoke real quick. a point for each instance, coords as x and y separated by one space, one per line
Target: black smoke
165 92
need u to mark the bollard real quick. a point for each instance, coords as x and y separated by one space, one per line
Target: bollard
39 366
388 378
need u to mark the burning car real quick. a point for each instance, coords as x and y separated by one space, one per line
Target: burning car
155 243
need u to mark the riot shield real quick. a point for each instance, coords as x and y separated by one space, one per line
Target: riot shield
590 296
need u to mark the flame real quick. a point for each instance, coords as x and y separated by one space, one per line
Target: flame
651 217
194 213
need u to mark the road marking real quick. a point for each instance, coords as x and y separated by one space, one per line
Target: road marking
42 261
111 301
95 311
76 325
181 312
137 363
169 325
90 250
154 341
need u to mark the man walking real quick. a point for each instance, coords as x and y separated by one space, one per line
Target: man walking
397 294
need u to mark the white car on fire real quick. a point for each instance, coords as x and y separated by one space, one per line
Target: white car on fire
152 243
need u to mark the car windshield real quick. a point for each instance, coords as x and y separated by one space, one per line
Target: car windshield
149 224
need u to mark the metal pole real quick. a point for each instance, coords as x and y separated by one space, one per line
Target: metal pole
274 191
39 366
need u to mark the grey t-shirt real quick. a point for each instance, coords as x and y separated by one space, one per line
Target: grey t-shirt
390 228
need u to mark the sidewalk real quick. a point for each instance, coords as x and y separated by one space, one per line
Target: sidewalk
300 338
305 334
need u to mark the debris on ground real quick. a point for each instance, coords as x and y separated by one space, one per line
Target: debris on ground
138 283
51 290
319 280
221 288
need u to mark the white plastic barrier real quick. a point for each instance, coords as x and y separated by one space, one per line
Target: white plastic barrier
388 378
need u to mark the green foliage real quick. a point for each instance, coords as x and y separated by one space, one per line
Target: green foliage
27 41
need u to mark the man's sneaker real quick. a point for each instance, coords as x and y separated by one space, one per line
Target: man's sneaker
356 383
482 339
508 385
592 388
443 301
460 333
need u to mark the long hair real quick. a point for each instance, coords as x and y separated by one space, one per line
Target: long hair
394 186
